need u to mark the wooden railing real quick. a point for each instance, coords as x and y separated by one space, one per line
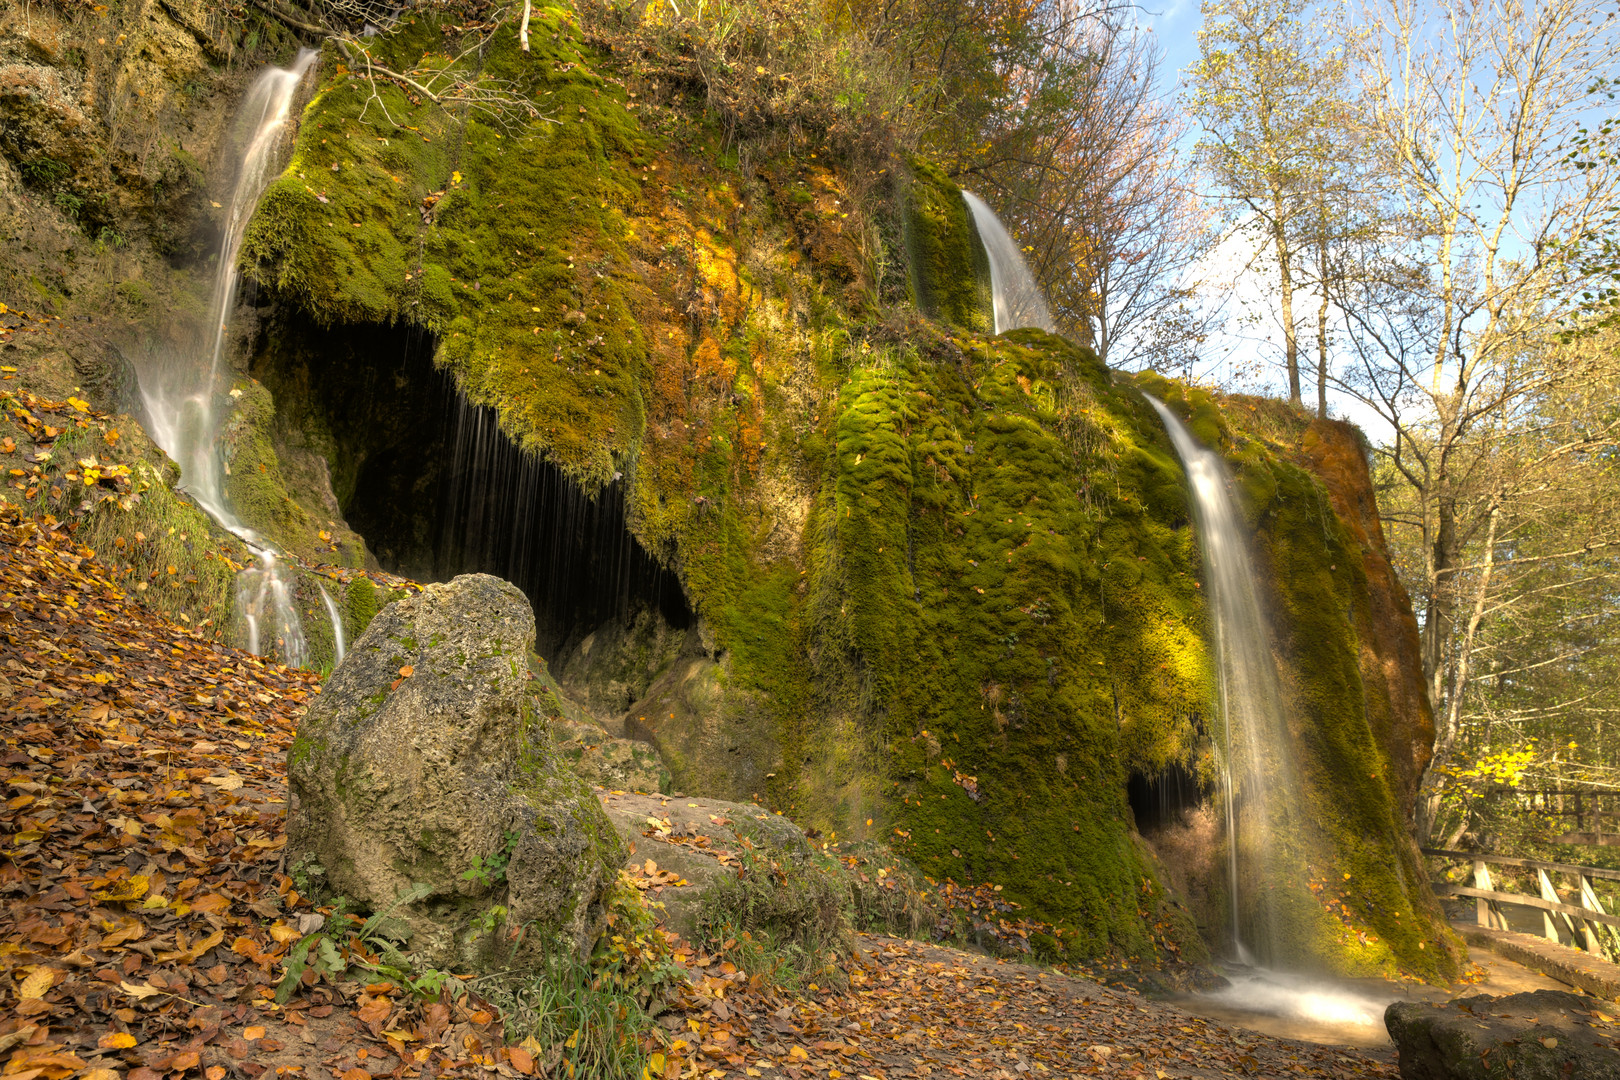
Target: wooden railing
1589 811
1588 922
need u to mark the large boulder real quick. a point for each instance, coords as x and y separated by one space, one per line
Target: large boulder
1545 1035
425 769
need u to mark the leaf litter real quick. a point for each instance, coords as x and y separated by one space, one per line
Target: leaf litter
149 917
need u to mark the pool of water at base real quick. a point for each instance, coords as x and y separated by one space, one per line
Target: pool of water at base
1339 1012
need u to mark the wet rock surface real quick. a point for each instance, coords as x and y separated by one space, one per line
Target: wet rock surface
424 768
1545 1035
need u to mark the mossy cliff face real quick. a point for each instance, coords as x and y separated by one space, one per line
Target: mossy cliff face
118 144
945 586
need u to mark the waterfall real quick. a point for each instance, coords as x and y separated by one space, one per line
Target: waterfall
339 645
1018 297
509 513
1257 776
182 395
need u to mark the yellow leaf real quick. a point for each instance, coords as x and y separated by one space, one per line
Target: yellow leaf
126 891
116 1040
402 1036
284 933
139 992
455 178
38 982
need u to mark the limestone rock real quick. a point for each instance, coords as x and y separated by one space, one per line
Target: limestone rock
595 754
608 761
425 763
1545 1035
698 840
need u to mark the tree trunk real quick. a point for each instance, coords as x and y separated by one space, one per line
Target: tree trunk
1321 321
1445 740
1285 258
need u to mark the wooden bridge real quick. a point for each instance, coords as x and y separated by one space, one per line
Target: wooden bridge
1585 922
1583 814
1579 922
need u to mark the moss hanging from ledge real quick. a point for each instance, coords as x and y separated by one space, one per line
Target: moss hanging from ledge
507 244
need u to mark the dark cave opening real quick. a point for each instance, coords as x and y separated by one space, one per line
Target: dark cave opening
436 489
1163 799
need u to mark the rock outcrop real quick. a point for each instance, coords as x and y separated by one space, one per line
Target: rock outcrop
1545 1035
425 767
695 846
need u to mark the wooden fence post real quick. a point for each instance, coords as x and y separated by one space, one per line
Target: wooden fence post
1550 928
1482 906
1589 929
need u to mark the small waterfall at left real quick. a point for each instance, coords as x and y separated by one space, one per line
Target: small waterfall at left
184 395
1016 293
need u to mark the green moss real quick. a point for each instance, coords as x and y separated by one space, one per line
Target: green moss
303 748
950 270
359 606
506 263
951 582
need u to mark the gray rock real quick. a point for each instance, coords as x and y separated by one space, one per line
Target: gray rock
586 746
702 841
1545 1035
424 766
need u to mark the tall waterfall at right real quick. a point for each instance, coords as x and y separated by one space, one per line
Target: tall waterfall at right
1259 789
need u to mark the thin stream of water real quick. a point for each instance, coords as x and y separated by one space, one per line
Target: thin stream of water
1257 773
186 406
1018 297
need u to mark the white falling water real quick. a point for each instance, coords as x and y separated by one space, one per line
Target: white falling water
339 645
184 397
1018 297
1256 762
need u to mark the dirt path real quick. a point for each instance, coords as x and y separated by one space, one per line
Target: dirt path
147 910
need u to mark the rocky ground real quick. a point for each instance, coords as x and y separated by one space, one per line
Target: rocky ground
149 914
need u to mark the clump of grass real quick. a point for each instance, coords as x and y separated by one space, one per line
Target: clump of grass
790 917
582 1022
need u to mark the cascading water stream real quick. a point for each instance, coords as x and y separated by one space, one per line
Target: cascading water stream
1018 297
1257 775
340 647
1258 786
183 395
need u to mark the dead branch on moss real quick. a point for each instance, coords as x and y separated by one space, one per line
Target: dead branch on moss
287 18
450 84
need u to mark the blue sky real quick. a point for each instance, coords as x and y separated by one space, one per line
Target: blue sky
1175 24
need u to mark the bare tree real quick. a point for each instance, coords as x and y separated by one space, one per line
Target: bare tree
1468 111
1266 90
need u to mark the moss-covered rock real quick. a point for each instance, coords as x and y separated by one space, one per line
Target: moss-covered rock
944 586
950 269
424 770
